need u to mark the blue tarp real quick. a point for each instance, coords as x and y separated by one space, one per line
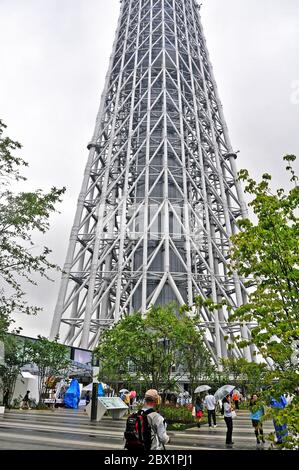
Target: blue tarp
72 395
282 403
101 392
280 429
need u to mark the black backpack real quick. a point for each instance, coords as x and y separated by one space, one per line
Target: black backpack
138 433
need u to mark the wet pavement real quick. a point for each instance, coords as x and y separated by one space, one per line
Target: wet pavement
63 429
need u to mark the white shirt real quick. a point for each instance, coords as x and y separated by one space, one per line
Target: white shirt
158 427
210 402
227 410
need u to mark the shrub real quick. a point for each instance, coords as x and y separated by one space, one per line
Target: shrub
180 415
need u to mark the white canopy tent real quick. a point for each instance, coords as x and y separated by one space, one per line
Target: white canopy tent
27 375
88 388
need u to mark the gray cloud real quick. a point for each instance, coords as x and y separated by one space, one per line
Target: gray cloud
54 57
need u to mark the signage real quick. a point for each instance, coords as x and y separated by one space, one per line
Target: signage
113 403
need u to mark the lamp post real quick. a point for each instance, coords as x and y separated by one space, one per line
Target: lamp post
94 397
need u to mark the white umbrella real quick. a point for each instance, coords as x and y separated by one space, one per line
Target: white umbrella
183 395
88 388
202 388
223 391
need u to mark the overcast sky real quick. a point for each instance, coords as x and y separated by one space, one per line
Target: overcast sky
53 60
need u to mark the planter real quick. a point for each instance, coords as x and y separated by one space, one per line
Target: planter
175 426
2 410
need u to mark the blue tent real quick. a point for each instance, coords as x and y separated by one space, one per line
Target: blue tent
72 395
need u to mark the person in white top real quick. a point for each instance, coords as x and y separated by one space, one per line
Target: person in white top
210 404
158 426
228 418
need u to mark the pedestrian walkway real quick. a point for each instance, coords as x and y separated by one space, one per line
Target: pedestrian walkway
243 433
70 429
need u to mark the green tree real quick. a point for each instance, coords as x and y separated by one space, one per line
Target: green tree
16 355
193 355
266 253
255 376
52 361
118 349
250 376
21 214
141 348
156 350
233 368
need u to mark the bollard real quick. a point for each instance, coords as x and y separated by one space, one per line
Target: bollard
94 402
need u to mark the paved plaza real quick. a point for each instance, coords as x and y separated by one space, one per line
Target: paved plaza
63 429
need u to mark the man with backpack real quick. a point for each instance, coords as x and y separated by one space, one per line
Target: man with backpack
146 429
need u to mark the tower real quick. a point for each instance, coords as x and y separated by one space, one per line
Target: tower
160 197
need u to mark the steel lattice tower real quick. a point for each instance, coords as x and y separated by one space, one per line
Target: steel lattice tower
160 197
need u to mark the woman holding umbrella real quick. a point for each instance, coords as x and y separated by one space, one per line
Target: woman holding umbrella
199 407
228 418
223 393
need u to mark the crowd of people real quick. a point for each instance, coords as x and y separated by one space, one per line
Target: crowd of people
129 398
228 407
155 425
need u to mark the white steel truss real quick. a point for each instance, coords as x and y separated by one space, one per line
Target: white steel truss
160 197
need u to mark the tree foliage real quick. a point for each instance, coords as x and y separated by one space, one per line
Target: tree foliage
249 376
193 356
266 253
51 359
156 350
21 214
16 355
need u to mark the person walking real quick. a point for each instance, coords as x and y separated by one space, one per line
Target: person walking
146 429
210 404
133 395
26 401
127 401
87 397
6 397
256 413
235 398
199 407
228 418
